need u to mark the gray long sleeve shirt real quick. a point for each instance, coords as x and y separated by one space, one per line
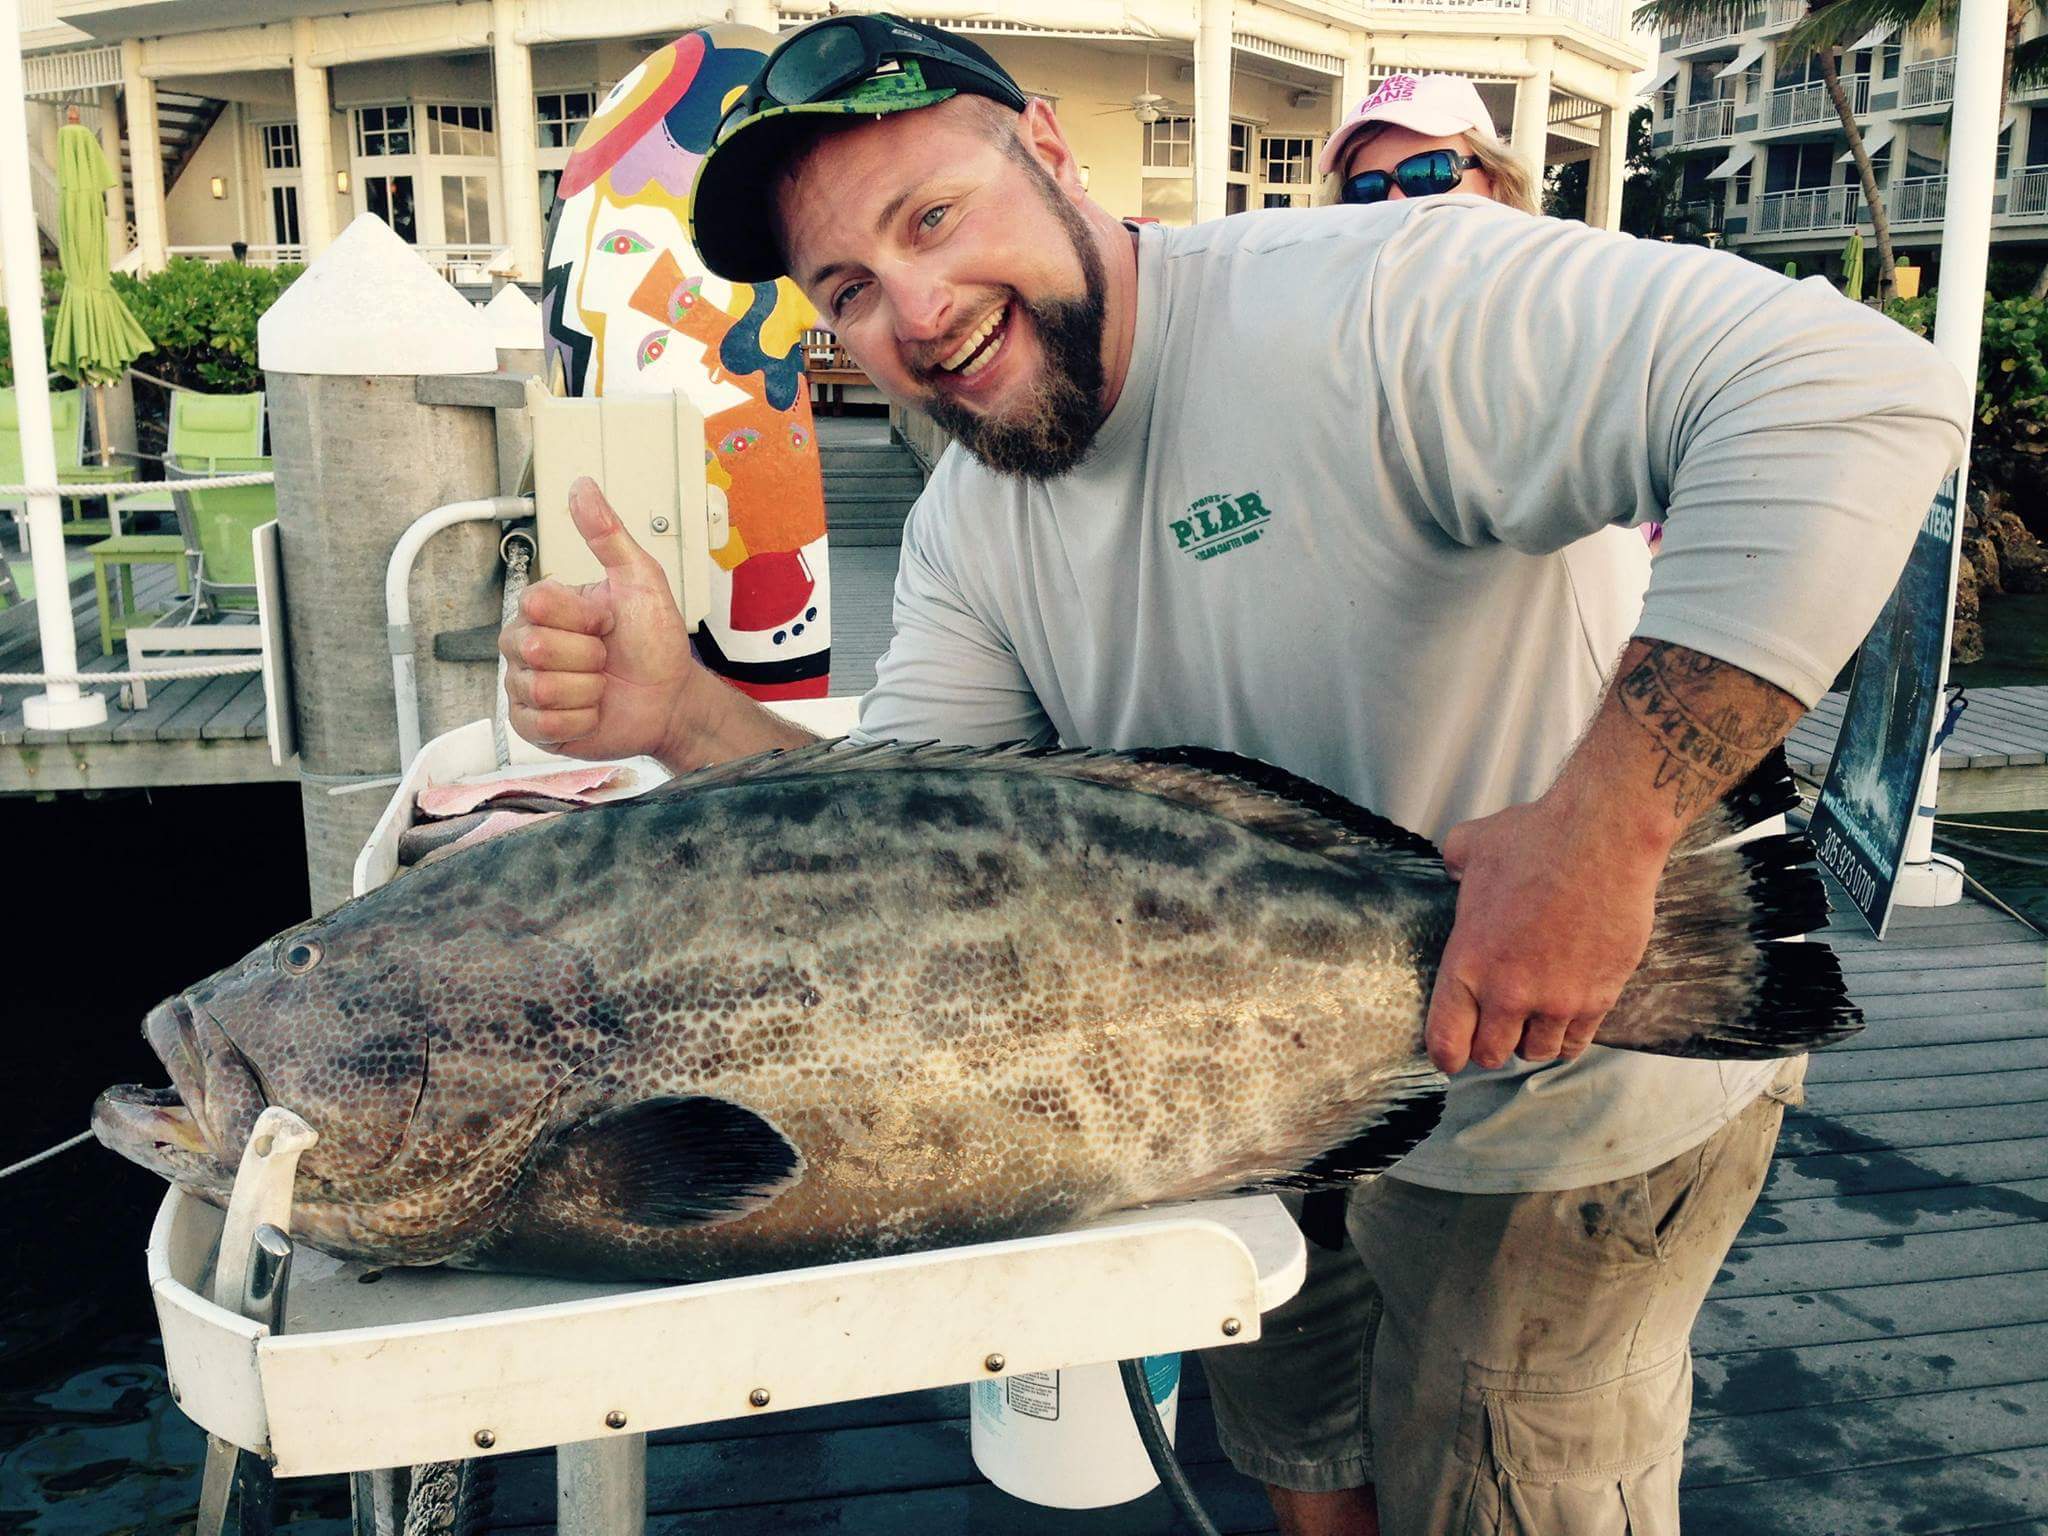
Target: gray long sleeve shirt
1347 516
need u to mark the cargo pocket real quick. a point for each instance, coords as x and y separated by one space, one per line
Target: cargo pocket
1600 1461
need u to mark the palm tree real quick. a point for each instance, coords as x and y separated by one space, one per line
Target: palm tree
1836 23
1670 15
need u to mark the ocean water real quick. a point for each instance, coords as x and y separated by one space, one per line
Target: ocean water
121 900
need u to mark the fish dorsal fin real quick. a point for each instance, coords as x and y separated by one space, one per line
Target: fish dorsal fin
1270 801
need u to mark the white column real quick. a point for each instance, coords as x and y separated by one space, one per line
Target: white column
145 158
316 142
1531 131
1356 84
757 13
117 196
1212 107
513 70
1958 331
1609 168
60 706
238 126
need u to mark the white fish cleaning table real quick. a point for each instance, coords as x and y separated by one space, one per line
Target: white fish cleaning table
441 1365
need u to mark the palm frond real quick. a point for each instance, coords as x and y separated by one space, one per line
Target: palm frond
1842 23
1672 15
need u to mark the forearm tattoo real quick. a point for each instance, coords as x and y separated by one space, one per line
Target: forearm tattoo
1710 721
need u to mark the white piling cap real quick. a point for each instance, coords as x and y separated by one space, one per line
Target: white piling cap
515 320
367 306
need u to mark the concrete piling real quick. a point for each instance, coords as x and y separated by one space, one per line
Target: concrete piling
359 457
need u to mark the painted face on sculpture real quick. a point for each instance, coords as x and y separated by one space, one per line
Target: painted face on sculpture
630 309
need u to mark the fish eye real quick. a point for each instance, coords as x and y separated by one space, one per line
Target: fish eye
301 957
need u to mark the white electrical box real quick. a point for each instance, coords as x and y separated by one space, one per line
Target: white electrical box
646 453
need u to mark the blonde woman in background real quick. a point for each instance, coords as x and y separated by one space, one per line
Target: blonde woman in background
1421 135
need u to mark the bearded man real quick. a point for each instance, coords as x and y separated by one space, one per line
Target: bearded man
1348 490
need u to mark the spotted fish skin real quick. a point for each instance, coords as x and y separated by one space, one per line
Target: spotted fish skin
826 1006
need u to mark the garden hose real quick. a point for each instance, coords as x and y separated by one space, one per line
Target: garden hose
1159 1449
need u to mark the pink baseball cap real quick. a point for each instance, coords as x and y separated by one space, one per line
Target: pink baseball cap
1441 106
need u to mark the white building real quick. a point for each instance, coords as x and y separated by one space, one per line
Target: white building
1768 167
274 122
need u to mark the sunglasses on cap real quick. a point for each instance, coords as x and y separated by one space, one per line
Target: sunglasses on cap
827 58
1432 172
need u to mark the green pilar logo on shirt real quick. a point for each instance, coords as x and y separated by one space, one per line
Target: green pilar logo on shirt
1215 525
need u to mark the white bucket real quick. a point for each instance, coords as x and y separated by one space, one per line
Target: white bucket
1065 1439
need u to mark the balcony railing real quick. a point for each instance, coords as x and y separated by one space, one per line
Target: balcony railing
1783 13
2027 195
1702 215
255 255
1813 208
1791 106
1704 122
1918 199
1929 83
1607 17
1708 29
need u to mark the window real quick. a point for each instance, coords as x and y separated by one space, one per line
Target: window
453 130
1287 162
1241 149
2004 162
549 180
1738 188
1170 144
465 210
390 198
284 215
1892 52
1236 196
1278 200
281 147
383 131
1667 100
558 116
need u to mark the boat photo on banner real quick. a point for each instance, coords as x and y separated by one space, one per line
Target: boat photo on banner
1872 792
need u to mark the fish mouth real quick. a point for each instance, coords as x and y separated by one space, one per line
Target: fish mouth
166 1129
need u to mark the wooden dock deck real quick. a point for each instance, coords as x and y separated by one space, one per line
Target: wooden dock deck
1873 1358
194 731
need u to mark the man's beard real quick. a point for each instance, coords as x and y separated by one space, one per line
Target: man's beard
1064 411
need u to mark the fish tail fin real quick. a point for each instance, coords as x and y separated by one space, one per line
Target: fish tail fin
1713 982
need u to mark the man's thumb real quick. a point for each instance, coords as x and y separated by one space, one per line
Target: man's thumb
622 558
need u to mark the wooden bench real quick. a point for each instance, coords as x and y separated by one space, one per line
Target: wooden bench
830 369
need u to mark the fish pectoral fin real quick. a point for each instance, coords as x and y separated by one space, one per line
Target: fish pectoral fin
672 1162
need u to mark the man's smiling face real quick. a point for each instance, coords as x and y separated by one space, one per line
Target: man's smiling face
955 265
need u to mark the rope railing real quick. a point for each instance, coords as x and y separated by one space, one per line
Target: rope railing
142 675
140 487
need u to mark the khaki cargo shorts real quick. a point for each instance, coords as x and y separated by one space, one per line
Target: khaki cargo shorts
1501 1363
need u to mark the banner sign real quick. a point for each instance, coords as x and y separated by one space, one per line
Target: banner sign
1872 792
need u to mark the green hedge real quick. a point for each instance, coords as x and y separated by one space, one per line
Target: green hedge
2012 373
200 315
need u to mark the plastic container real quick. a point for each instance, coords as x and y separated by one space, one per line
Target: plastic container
1065 1439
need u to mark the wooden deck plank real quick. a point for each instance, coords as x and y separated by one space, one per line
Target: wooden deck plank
1838 1435
243 716
1830 1068
1822 1316
1907 1129
1904 1258
1951 1007
1884 1170
1827 1218
2021 948
1948 1090
165 701
1746 1381
1927 1497
214 695
2019 975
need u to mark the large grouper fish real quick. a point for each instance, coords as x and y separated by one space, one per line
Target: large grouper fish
851 1001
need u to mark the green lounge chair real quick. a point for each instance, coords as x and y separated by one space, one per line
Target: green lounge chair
67 434
203 427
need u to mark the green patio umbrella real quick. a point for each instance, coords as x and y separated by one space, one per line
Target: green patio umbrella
1852 266
96 338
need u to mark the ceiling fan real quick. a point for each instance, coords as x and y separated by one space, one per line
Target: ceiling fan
1148 106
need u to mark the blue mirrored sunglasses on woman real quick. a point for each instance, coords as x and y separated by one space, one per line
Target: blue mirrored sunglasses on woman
1432 172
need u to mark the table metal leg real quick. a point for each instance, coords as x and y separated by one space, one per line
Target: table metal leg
601 1487
377 1502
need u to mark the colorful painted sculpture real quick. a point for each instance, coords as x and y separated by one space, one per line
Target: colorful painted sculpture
629 309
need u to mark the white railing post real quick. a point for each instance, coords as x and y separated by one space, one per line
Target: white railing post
1958 330
61 706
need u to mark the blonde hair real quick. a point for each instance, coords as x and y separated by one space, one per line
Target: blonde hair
1507 172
